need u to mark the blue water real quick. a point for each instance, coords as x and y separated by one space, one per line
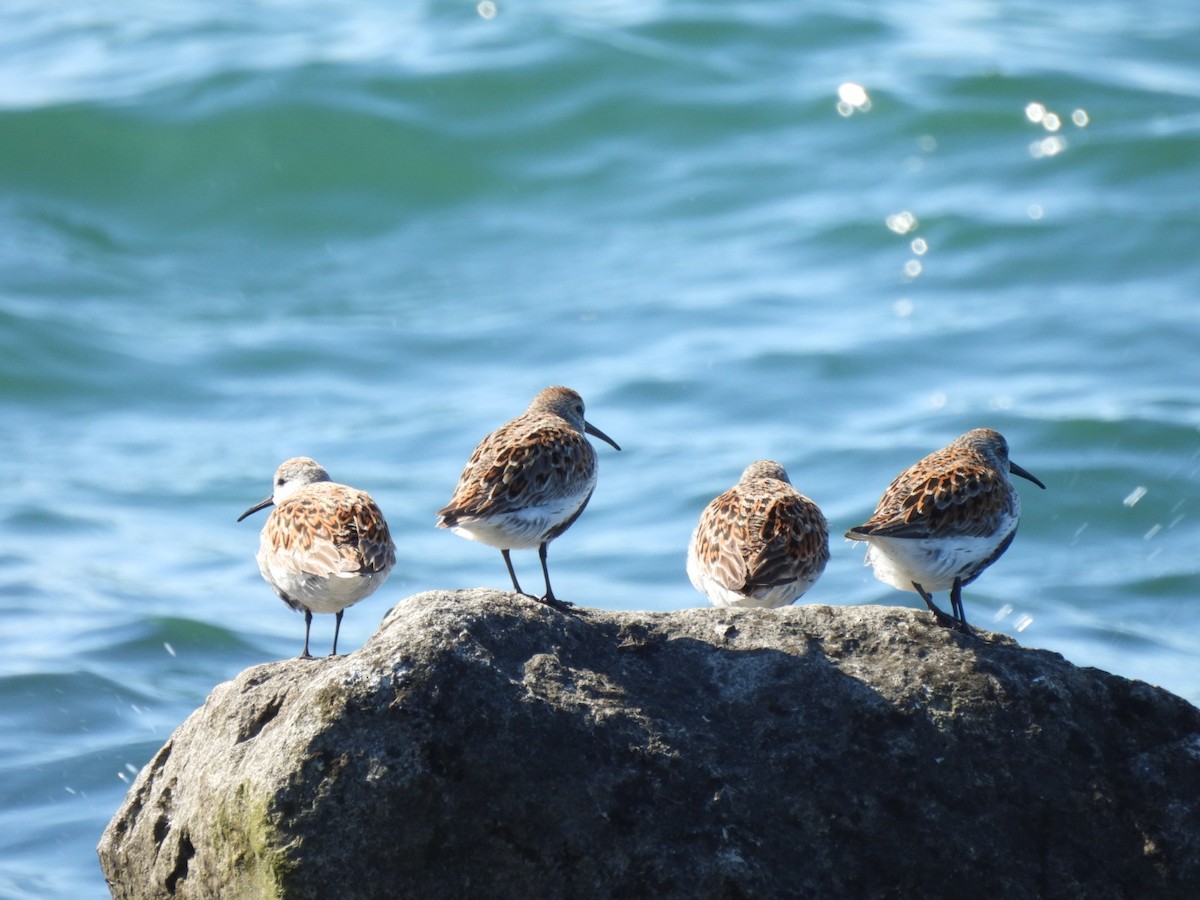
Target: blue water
369 232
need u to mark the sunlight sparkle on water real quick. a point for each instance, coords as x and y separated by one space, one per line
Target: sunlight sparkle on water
852 98
486 9
902 222
1051 146
1039 114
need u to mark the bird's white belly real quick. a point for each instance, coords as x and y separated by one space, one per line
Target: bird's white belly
319 593
758 598
520 529
933 563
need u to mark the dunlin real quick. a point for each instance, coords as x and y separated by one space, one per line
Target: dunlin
761 543
325 545
528 481
946 519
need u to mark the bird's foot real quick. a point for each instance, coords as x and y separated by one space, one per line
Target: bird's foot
554 603
944 620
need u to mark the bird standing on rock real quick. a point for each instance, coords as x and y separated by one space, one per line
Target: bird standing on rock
760 544
324 547
528 481
945 519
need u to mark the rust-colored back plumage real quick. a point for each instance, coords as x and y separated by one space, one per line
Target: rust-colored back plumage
330 528
533 458
946 493
761 539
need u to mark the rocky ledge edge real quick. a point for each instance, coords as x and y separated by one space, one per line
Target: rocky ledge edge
481 744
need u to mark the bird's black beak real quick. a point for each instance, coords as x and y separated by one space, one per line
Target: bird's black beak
596 432
1017 470
262 504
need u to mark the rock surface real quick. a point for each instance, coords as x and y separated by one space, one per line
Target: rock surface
481 744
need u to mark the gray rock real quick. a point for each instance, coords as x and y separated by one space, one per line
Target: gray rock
482 745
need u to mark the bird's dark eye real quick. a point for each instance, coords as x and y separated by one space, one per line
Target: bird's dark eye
281 482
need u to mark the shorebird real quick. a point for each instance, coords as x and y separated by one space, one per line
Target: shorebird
324 547
528 481
945 519
760 544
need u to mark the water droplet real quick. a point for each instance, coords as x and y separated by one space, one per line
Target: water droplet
1135 495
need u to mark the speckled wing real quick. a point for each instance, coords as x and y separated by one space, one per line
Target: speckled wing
516 467
331 529
791 541
935 498
746 541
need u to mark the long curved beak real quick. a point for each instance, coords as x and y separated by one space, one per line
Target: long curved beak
262 504
596 432
1017 470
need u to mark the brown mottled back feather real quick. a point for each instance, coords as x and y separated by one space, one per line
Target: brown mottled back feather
936 498
525 461
762 532
330 527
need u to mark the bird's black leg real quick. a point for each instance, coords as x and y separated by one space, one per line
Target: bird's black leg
307 628
956 605
549 599
942 619
337 626
512 573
